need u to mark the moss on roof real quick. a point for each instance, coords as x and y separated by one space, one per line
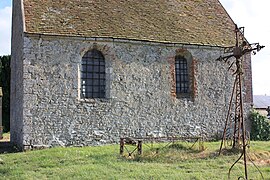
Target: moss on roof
176 21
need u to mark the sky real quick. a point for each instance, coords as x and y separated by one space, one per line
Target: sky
5 27
252 14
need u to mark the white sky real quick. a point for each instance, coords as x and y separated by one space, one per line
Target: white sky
252 14
5 30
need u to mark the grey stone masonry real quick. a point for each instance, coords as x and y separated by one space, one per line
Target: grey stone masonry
140 96
16 86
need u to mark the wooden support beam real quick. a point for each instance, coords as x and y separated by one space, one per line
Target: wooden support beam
122 143
139 146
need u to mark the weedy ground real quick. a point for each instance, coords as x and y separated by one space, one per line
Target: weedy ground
158 161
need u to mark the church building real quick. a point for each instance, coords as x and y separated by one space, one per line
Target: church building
87 72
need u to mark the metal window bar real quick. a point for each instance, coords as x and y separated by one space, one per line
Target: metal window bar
181 73
93 75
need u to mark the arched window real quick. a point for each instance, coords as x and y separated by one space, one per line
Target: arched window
182 75
93 75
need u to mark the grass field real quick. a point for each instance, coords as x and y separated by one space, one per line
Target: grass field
175 161
6 137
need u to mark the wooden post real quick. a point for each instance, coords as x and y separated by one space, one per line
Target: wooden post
1 127
139 146
122 143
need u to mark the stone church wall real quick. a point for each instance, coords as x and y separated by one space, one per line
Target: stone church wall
139 89
16 86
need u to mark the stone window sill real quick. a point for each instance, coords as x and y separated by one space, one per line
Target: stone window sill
94 100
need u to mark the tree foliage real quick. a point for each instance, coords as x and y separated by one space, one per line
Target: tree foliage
5 84
260 127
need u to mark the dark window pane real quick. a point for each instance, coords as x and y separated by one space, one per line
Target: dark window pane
102 89
102 63
84 75
96 62
90 68
89 90
102 76
89 82
96 82
90 76
102 68
96 69
83 68
96 89
96 76
102 82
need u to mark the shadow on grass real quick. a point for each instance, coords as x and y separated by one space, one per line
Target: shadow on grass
168 153
181 147
230 151
178 147
7 147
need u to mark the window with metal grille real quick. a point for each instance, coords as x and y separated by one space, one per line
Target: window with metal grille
181 74
93 75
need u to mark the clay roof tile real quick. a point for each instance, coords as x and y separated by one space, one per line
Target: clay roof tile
177 21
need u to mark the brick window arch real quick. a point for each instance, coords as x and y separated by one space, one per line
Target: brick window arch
181 75
93 75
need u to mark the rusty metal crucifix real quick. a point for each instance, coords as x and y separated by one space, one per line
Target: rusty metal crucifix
234 124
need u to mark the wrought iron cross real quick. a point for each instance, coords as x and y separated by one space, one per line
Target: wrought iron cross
233 57
240 49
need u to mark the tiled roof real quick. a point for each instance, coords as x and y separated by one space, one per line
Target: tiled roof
261 101
176 21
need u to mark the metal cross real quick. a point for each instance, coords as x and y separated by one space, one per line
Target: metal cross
233 57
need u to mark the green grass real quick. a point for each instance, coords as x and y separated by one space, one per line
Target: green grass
6 137
104 162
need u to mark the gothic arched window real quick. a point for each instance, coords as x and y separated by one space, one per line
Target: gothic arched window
93 75
182 75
